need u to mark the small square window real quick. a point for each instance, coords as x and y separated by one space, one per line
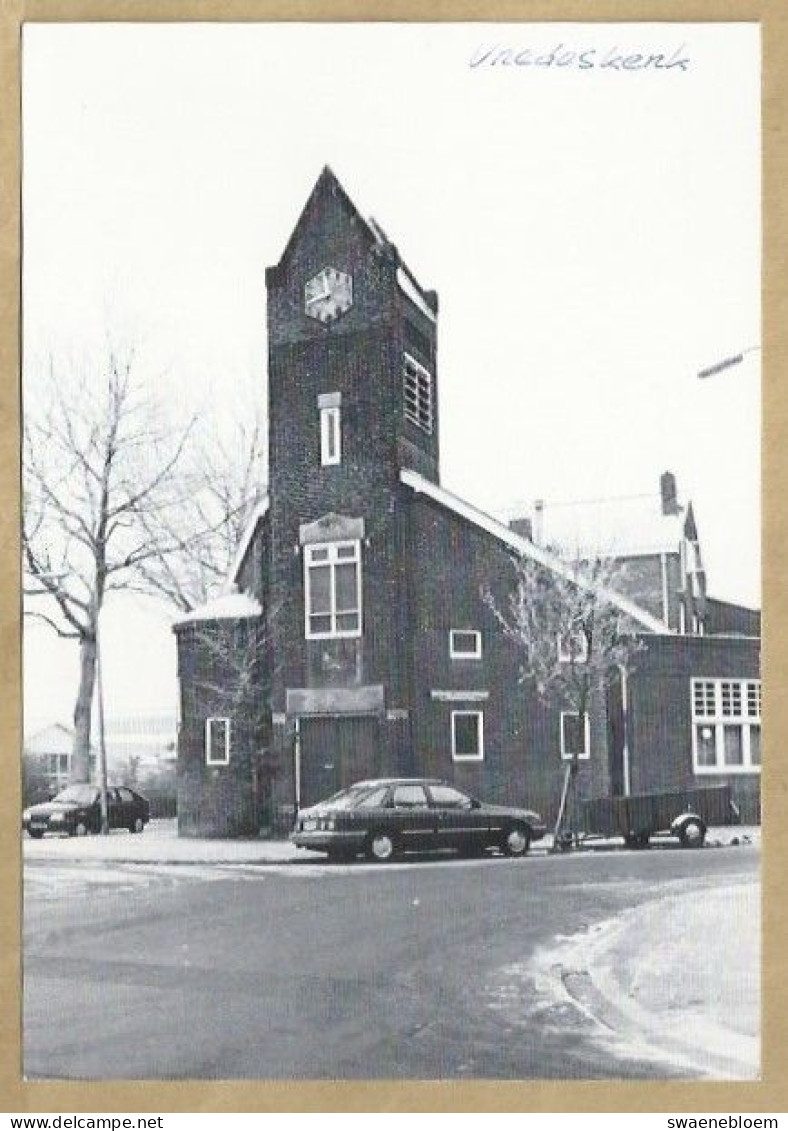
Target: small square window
467 736
572 648
217 742
465 644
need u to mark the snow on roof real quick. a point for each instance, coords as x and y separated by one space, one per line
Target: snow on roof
54 739
227 606
522 545
408 288
259 512
617 527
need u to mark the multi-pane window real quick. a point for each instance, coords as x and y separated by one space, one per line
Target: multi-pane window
726 725
467 736
332 582
574 735
465 644
217 741
417 393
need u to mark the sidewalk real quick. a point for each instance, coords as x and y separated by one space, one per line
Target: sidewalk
160 844
678 977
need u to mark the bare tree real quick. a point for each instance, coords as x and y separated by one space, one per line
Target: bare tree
574 638
99 461
198 541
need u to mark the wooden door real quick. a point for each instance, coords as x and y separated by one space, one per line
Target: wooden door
337 751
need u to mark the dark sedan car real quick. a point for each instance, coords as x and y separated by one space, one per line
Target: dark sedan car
385 817
76 811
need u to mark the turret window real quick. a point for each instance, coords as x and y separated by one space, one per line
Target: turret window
332 584
417 392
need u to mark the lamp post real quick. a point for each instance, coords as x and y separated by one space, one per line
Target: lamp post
104 801
726 363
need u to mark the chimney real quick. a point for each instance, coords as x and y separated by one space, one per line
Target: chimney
523 527
667 490
538 524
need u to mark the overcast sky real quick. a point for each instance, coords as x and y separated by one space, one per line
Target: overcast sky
593 233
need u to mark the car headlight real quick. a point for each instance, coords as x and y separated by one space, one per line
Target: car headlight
55 817
26 815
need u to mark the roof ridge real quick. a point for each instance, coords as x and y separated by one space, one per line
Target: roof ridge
524 547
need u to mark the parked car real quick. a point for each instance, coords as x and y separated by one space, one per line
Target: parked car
388 816
76 811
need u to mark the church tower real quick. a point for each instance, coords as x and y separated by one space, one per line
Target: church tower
352 403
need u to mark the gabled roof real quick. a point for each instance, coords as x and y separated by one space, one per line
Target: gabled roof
630 525
54 739
522 546
257 515
328 182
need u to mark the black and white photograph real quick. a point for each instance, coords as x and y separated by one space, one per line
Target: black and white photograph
391 551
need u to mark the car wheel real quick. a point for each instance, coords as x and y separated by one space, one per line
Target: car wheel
35 833
380 847
636 840
692 833
340 855
516 841
80 829
137 825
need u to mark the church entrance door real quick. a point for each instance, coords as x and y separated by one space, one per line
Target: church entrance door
337 751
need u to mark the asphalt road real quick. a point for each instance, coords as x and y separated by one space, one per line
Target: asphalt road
316 971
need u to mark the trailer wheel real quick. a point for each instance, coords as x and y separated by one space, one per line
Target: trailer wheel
692 833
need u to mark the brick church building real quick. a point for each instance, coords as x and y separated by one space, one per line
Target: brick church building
352 639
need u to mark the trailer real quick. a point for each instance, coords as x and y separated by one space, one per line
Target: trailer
683 813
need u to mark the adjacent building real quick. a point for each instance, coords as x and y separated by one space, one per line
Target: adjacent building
353 640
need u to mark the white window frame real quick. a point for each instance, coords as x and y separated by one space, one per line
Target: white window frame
332 559
585 754
418 379
224 759
330 430
479 716
564 656
717 719
476 654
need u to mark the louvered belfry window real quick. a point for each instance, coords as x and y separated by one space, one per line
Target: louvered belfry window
417 393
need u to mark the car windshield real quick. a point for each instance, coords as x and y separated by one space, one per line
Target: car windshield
347 798
79 794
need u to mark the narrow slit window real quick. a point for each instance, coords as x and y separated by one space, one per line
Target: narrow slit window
330 435
217 741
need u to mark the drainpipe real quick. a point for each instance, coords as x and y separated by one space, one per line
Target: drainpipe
625 713
538 522
297 765
665 602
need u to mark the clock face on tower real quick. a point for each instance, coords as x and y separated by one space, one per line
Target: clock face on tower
328 294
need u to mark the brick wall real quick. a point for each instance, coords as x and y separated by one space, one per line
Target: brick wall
217 679
660 713
450 561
